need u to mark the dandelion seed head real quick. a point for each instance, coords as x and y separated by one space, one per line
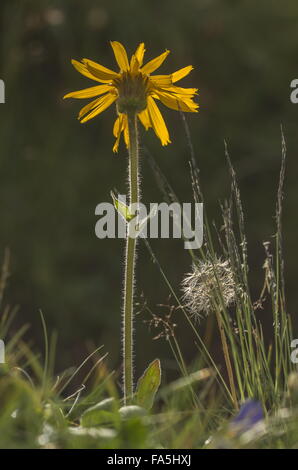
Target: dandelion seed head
205 286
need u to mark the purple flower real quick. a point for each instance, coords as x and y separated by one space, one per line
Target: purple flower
250 414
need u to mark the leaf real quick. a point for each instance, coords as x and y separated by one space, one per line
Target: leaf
101 413
148 385
122 208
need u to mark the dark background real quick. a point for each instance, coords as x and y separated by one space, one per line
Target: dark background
54 171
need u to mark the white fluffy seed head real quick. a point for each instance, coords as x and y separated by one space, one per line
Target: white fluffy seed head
208 285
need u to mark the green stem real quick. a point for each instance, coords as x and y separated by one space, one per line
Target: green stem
130 258
227 358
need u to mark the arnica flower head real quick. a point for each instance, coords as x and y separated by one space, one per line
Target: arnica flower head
205 284
134 90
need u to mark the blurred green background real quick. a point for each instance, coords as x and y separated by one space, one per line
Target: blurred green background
54 171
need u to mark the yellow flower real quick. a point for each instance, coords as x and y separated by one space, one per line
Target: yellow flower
134 90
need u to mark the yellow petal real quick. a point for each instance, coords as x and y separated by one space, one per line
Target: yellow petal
89 92
161 80
99 71
177 102
88 107
176 76
83 70
120 55
145 119
140 53
155 63
117 130
118 125
157 122
134 64
121 125
190 92
103 103
126 133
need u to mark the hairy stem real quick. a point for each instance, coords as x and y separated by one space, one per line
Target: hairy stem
130 259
